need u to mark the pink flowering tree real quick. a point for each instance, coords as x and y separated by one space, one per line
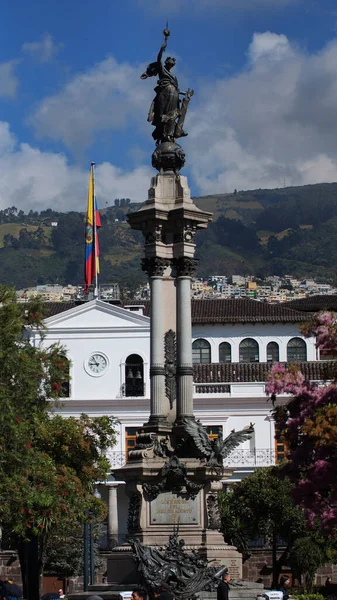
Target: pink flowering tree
307 424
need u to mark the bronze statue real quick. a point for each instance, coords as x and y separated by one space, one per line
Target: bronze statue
215 451
183 573
167 113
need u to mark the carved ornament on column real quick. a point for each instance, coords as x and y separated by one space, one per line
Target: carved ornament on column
186 234
185 266
170 366
157 370
155 266
154 234
213 512
135 504
185 370
173 477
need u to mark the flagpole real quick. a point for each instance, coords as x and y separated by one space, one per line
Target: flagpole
95 229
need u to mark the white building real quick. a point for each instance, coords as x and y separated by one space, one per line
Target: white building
234 345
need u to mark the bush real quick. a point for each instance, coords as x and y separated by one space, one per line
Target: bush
307 597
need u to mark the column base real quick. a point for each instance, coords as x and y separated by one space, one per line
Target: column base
157 423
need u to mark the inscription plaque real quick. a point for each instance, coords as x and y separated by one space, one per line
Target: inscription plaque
170 508
234 568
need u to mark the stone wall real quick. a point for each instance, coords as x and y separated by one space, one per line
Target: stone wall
12 571
259 566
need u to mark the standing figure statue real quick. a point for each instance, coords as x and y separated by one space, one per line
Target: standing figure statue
166 112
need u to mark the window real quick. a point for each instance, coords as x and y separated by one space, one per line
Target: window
273 352
214 431
130 438
249 351
225 352
296 350
201 351
280 447
134 376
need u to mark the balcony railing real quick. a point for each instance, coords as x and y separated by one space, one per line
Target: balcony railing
117 459
133 390
257 457
216 388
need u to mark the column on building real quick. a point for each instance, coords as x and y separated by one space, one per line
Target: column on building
112 515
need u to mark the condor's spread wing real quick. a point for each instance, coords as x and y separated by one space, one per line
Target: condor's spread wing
234 439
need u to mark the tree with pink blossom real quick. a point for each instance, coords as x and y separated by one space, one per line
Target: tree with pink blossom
307 424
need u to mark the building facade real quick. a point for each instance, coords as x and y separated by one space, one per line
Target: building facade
235 343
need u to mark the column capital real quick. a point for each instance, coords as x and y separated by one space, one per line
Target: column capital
155 266
185 266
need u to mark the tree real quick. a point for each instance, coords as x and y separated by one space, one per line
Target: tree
49 465
308 426
260 506
306 557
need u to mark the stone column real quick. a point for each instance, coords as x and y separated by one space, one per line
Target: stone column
185 268
155 268
112 516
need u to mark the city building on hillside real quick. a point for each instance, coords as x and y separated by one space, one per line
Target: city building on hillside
234 345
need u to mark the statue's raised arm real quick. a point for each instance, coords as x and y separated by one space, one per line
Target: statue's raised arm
164 45
153 69
166 113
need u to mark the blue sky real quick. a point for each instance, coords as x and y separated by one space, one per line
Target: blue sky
264 113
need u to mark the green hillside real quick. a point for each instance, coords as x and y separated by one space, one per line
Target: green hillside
259 232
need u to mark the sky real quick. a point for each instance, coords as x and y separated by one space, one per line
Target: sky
264 112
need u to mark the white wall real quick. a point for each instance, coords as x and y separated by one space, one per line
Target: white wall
115 346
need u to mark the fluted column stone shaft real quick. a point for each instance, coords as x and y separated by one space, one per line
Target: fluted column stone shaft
157 370
184 348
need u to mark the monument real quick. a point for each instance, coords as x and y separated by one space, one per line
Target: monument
174 473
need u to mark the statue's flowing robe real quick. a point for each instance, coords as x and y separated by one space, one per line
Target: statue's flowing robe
165 107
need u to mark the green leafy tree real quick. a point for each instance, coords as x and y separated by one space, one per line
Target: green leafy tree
49 465
260 506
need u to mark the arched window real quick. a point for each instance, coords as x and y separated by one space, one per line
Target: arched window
201 351
134 376
296 350
225 352
273 352
65 386
249 351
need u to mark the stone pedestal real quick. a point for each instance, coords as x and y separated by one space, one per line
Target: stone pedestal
165 495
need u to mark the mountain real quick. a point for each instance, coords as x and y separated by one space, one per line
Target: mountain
259 232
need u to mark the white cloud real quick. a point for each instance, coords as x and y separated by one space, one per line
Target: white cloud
269 46
109 96
31 179
8 80
42 51
274 122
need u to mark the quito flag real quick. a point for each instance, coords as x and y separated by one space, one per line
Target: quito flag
93 222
